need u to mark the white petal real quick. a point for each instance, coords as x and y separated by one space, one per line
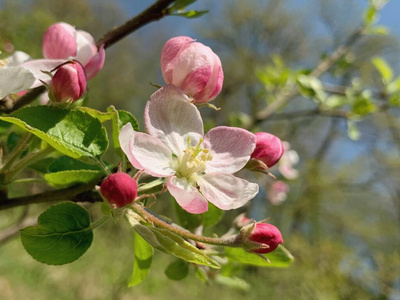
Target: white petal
17 58
150 154
36 66
170 117
125 136
86 47
226 191
15 79
230 148
187 196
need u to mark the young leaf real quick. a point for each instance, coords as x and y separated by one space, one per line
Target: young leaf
212 216
280 257
121 117
187 220
180 4
66 163
177 270
62 236
72 132
384 69
352 130
171 243
71 178
191 14
143 258
102 116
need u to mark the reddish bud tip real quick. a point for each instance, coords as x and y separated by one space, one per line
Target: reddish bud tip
119 189
268 234
269 148
69 82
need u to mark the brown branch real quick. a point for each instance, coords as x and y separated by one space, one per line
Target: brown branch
287 94
153 13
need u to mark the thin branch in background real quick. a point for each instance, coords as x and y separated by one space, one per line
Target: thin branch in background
287 94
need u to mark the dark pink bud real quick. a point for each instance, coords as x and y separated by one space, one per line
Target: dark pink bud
269 148
69 82
268 234
119 189
59 41
192 67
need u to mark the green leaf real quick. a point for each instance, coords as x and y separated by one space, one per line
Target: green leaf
352 130
177 270
378 30
171 243
121 117
311 86
201 274
180 4
370 15
71 178
384 69
335 101
101 116
394 86
62 236
279 258
143 258
66 163
233 282
191 14
187 220
72 132
42 166
212 216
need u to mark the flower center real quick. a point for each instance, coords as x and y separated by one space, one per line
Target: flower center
193 162
4 62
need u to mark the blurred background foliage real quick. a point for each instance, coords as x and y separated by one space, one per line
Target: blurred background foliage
341 218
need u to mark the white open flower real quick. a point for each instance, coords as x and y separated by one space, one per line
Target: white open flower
199 167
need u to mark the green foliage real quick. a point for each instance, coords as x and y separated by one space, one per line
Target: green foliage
62 236
72 132
171 243
279 258
191 14
143 258
384 69
72 177
177 270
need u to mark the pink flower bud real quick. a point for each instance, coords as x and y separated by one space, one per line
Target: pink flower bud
269 148
192 67
63 41
59 42
69 82
268 234
119 189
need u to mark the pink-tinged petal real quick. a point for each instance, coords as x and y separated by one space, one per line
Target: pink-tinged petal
226 191
169 52
170 117
214 84
230 148
269 148
86 47
151 154
59 41
15 79
190 58
187 196
96 63
38 65
126 136
196 81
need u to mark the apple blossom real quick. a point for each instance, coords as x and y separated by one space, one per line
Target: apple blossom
277 192
289 158
63 41
69 82
198 168
119 189
268 234
192 67
269 149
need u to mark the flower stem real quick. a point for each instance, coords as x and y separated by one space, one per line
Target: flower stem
230 241
103 166
99 222
22 144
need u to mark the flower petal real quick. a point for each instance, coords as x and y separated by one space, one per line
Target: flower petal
15 79
146 152
37 66
86 47
59 41
96 63
187 196
230 148
170 117
226 191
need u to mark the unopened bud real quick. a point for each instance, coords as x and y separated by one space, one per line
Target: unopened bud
69 82
265 234
119 189
269 149
192 67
